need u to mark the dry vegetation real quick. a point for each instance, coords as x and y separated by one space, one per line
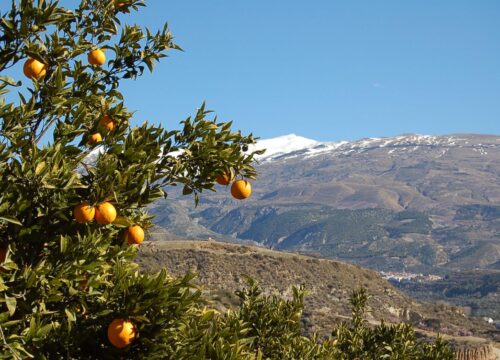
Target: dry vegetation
221 266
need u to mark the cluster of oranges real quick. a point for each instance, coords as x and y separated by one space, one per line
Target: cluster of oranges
121 332
106 123
240 189
35 69
97 58
104 214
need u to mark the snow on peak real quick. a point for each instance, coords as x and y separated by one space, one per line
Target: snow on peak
284 145
290 146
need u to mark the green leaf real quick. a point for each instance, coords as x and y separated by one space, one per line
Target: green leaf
44 330
70 315
11 323
64 244
8 24
11 303
11 219
39 168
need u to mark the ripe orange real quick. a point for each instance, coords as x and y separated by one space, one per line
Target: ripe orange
121 333
134 235
96 57
105 213
119 4
107 123
83 213
95 139
241 189
225 178
34 69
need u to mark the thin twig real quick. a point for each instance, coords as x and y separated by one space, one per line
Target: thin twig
8 346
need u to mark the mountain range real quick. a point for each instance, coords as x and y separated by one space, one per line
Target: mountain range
411 202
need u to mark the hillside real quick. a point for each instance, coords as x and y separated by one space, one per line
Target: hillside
221 267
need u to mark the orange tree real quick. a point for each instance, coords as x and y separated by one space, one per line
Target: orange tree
75 178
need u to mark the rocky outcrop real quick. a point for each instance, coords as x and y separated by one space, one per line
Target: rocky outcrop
475 352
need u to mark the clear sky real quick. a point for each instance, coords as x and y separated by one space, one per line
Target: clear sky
327 69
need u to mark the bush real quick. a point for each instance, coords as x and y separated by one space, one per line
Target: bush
275 331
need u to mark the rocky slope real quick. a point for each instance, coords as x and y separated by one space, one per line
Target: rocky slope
221 267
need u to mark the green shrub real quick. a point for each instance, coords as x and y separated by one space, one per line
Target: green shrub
275 331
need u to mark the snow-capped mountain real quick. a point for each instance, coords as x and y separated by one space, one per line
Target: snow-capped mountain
282 145
409 201
289 146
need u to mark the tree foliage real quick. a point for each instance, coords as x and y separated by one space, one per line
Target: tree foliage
275 332
62 282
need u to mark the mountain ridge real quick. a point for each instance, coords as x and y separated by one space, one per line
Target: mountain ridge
287 144
412 203
446 194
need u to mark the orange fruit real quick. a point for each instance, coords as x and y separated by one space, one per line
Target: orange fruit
95 139
134 235
225 178
121 333
83 213
34 69
119 4
105 213
241 189
96 57
107 123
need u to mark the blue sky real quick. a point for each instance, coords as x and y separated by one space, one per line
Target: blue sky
327 69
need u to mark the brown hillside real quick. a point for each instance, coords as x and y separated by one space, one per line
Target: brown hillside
220 267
